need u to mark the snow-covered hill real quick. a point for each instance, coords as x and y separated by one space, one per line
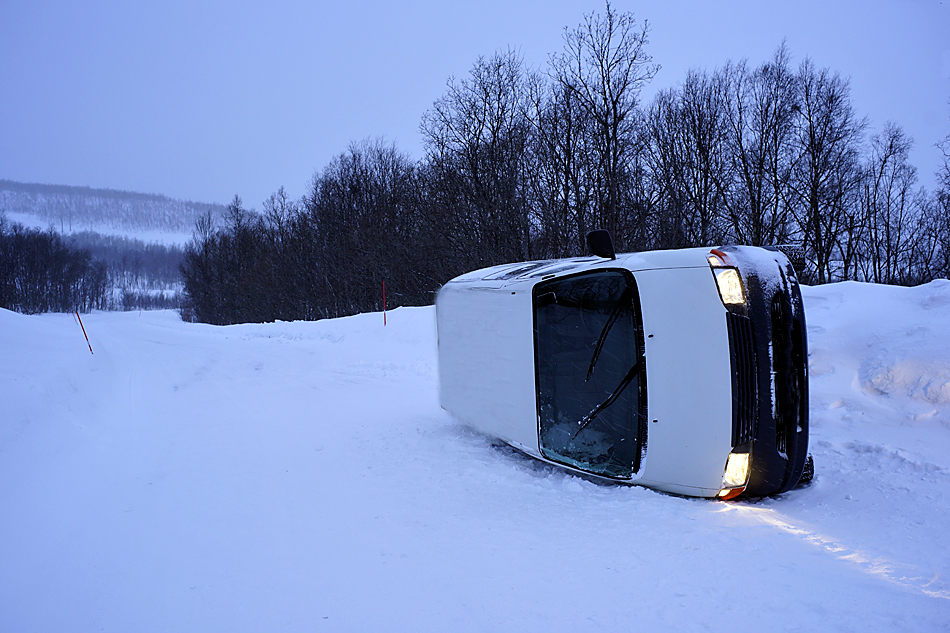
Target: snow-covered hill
302 477
68 210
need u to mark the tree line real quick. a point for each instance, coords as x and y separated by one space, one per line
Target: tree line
42 271
520 164
140 275
39 272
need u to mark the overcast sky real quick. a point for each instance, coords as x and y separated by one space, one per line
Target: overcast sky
203 100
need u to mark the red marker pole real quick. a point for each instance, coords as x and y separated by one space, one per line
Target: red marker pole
384 302
84 332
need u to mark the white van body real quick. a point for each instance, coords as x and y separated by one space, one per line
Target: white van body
490 363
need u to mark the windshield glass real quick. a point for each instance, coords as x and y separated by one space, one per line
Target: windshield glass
591 372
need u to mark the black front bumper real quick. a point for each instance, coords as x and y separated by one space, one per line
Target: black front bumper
769 354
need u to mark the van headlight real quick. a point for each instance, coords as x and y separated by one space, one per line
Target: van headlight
728 279
737 470
736 476
730 286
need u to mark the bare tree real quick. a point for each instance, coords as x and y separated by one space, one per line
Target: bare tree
561 180
603 67
664 156
688 163
892 209
826 169
930 249
476 138
939 214
279 209
760 107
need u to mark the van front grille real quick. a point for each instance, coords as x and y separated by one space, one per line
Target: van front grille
744 384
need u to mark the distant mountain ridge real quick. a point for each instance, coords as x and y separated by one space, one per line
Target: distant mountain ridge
75 208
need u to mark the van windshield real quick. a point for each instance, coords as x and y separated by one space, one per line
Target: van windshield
591 372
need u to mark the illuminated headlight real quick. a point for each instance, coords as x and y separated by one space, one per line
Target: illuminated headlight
737 470
730 286
736 476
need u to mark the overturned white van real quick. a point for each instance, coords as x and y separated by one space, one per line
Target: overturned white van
684 371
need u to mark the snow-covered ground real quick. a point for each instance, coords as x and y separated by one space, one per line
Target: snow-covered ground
302 477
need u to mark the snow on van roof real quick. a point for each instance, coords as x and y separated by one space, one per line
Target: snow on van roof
681 258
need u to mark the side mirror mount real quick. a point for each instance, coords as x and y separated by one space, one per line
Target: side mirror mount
600 244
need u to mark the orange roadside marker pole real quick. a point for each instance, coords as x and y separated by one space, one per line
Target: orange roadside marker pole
84 332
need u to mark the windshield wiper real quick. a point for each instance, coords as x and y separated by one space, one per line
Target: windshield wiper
614 315
587 419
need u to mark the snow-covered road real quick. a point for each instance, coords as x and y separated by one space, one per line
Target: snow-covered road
302 477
